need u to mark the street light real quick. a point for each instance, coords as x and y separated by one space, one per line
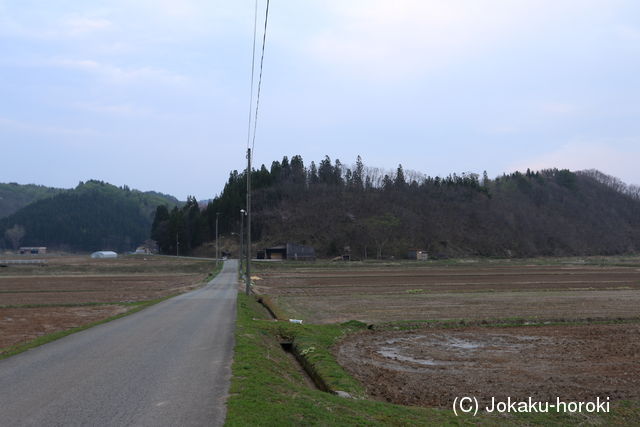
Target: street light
217 252
242 214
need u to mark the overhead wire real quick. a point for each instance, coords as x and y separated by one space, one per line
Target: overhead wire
253 62
264 41
253 140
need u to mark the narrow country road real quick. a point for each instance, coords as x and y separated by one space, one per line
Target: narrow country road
168 365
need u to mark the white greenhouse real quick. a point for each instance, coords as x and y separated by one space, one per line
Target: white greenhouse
104 254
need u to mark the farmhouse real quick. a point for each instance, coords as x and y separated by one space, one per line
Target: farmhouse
33 250
290 251
417 254
104 254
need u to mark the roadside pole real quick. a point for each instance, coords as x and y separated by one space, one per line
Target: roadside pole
248 275
242 214
217 251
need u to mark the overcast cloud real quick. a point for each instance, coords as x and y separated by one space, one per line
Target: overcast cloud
154 94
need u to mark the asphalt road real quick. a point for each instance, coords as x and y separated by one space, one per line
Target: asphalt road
167 365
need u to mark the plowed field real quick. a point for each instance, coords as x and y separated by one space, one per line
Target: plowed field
434 364
72 291
459 292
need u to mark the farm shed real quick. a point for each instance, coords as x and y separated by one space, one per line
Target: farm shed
291 251
104 254
33 250
417 254
276 252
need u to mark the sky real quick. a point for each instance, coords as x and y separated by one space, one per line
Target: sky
155 94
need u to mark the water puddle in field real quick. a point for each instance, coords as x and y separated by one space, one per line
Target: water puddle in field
448 350
394 354
463 344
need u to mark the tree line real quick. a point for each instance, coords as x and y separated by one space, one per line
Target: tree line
373 213
93 216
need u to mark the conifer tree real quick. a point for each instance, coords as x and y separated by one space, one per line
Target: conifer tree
357 179
313 174
400 182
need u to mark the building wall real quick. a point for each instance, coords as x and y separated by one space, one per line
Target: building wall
33 250
417 254
301 252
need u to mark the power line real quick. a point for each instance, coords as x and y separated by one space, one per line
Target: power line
264 41
253 67
253 142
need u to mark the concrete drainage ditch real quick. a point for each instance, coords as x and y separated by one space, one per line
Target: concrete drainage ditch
310 376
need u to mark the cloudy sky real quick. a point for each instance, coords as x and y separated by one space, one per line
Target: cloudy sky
155 93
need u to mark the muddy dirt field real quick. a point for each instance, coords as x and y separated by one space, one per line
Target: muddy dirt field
25 324
35 300
455 292
449 279
474 306
83 264
22 290
431 367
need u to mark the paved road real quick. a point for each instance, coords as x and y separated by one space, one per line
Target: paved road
168 365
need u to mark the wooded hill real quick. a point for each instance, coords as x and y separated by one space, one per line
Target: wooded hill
93 216
14 197
377 214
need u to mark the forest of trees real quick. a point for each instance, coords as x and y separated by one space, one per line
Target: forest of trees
328 205
379 213
93 216
14 197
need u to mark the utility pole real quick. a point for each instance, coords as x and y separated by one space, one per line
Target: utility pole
217 252
248 276
242 214
177 244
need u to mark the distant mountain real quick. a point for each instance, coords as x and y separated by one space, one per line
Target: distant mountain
14 197
95 215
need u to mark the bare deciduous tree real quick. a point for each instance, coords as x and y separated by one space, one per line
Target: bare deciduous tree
14 235
382 228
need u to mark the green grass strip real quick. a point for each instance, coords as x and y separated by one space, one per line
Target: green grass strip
509 322
268 389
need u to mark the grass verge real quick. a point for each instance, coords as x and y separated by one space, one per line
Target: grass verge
268 389
499 323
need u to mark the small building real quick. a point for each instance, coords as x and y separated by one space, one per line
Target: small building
142 250
276 252
104 254
39 250
417 254
291 251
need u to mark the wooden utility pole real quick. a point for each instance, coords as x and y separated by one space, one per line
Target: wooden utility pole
217 251
242 214
248 275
